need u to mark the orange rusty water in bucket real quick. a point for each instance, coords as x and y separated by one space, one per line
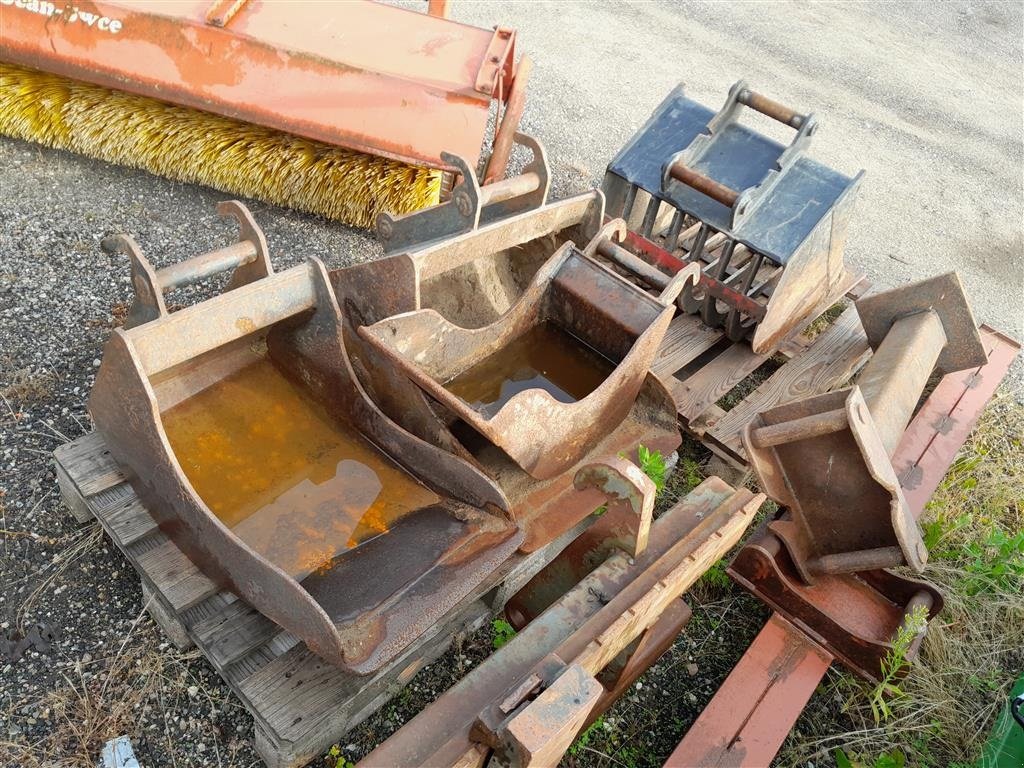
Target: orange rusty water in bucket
291 482
545 357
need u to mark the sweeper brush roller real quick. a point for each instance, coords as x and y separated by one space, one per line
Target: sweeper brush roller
344 113
196 147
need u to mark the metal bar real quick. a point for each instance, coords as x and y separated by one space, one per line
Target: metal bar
633 264
504 138
771 108
740 726
853 562
718 192
650 215
799 429
672 238
506 189
896 375
206 265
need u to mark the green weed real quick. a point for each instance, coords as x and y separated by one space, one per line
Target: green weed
653 465
894 663
584 739
340 761
503 632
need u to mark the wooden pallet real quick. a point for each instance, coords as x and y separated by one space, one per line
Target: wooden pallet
300 704
700 367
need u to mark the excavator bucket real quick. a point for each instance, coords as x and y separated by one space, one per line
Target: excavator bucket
300 467
765 222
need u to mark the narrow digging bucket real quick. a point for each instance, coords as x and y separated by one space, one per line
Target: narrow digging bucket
248 435
560 369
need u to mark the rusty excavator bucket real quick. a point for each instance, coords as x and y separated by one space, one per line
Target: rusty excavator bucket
301 463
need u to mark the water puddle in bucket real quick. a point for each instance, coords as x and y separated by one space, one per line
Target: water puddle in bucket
286 478
545 357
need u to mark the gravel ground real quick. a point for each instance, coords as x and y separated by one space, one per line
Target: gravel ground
926 97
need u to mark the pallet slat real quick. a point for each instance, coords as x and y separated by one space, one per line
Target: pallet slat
174 576
89 464
695 394
833 358
685 340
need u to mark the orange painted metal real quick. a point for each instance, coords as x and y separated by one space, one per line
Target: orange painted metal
933 438
770 685
752 713
358 74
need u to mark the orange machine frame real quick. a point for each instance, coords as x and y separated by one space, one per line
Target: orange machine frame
358 74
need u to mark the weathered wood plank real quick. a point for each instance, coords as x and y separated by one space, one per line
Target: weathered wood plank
836 354
69 494
165 618
175 577
685 340
128 521
695 394
232 633
302 704
89 464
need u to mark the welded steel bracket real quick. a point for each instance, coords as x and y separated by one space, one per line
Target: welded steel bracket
471 205
828 458
249 258
854 617
623 481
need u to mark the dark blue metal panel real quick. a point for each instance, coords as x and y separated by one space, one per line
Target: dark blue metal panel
675 123
792 208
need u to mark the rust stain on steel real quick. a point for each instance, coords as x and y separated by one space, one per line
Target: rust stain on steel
483 703
829 470
921 448
292 323
740 727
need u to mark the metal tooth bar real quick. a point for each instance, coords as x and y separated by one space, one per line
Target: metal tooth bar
735 328
672 238
627 204
686 298
649 217
709 312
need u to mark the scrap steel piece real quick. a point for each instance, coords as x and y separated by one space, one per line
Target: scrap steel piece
364 606
525 703
855 617
745 194
828 458
542 435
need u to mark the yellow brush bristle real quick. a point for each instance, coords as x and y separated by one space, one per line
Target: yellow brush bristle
198 147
